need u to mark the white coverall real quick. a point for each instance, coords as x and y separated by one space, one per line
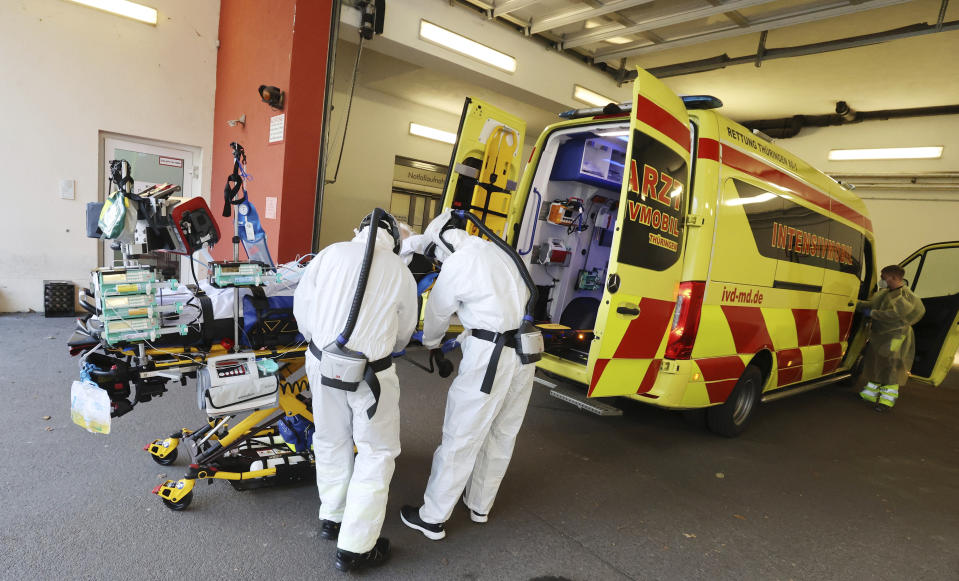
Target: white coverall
354 491
480 283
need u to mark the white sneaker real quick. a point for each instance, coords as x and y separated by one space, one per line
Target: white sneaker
475 516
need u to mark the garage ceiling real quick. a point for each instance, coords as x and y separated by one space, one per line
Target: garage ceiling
912 70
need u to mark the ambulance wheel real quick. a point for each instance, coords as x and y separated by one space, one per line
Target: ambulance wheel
166 460
181 504
730 419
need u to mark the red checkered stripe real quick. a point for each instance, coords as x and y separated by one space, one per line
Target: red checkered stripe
751 335
642 340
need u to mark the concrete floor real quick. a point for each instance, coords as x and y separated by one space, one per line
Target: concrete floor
820 487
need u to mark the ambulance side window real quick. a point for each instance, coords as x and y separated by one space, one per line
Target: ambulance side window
764 210
809 225
864 288
912 269
652 234
844 249
939 276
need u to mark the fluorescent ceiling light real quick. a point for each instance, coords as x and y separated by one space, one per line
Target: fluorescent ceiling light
432 133
619 40
886 153
466 46
123 8
592 24
593 98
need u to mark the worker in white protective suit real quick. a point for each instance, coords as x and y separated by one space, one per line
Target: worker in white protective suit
353 491
894 309
488 398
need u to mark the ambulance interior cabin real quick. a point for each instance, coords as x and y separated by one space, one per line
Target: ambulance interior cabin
568 229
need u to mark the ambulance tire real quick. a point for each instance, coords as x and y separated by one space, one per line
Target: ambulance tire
731 418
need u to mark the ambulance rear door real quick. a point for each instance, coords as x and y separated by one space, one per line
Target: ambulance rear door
646 257
485 167
932 275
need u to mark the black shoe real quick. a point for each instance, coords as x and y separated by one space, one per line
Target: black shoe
330 530
348 561
411 518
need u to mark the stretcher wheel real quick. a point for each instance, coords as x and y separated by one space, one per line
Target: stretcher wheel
182 504
166 460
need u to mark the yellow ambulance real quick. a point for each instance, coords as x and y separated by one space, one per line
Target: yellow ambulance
682 260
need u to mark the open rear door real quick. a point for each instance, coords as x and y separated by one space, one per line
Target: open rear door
485 166
932 275
646 257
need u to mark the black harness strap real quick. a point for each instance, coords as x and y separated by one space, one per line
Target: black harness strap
234 183
123 183
260 304
369 376
499 340
206 309
372 369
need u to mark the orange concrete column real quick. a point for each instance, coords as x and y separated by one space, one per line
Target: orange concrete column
283 43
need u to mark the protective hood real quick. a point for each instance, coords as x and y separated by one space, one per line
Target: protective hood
453 237
384 240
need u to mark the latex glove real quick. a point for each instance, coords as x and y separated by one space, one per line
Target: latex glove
399 353
417 337
867 312
449 345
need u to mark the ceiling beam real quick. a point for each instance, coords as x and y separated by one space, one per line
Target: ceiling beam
566 17
504 8
592 37
723 61
732 14
757 25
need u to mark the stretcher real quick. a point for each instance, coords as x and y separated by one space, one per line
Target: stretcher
245 390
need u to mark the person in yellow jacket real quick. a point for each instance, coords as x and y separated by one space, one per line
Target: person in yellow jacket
894 309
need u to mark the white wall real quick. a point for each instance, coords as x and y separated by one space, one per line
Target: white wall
70 72
905 219
378 131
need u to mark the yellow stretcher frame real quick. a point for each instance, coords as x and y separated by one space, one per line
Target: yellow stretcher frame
178 494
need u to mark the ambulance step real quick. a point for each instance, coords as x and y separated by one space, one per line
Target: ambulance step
580 400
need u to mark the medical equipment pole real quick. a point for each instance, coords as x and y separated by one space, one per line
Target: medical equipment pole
236 290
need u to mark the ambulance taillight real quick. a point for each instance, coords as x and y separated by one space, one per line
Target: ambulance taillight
682 335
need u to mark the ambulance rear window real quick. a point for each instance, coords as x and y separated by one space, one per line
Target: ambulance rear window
652 235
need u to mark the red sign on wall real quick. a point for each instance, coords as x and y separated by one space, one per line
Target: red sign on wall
171 161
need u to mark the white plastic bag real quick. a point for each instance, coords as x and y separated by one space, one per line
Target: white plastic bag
90 407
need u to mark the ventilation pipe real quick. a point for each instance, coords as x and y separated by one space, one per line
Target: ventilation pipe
787 127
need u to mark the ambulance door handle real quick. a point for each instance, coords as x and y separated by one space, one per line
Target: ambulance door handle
850 304
633 312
